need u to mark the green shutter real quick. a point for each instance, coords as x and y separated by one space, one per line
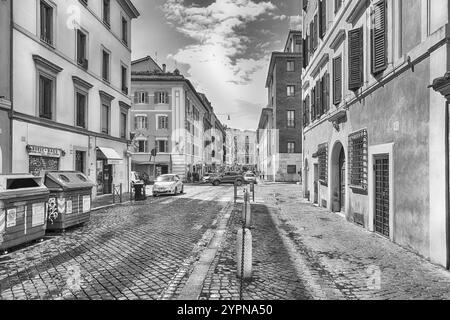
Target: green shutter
337 80
355 59
379 37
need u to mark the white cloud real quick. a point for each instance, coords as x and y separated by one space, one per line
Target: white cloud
214 61
295 22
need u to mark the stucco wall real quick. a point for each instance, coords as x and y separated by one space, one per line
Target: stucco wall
5 49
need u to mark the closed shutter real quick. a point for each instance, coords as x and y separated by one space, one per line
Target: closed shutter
305 62
136 123
315 34
147 98
146 122
355 59
379 37
167 98
319 108
304 113
160 122
136 97
313 104
155 98
307 110
326 92
322 18
337 80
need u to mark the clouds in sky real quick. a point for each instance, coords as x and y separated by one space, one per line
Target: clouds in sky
227 59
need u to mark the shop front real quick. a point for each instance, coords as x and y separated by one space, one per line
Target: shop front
107 159
42 158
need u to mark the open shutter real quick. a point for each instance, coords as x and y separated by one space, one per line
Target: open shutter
379 37
304 113
337 80
322 18
147 98
307 110
316 32
305 50
327 92
313 104
136 97
319 99
135 123
355 59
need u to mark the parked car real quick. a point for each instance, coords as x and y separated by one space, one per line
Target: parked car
228 177
168 184
250 177
207 177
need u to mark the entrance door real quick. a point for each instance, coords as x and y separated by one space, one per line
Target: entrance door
382 195
107 179
342 180
316 184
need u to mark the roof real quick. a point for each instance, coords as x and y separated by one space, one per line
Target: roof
291 32
265 113
152 65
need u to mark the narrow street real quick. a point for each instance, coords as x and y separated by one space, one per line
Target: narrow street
184 247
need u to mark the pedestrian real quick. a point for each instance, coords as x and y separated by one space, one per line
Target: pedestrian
189 176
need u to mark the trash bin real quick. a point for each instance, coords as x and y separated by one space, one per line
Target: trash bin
23 199
69 201
139 192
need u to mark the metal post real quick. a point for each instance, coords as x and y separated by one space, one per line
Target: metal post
235 192
252 189
113 194
121 189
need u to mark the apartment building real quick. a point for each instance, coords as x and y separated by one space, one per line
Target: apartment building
284 161
71 66
5 87
375 135
173 119
241 148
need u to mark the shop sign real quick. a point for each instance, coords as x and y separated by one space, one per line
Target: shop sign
115 162
38 215
11 218
44 151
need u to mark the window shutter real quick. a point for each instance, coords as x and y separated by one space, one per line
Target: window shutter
307 110
337 80
316 32
379 37
305 50
311 37
167 98
319 99
136 122
155 98
322 18
136 97
355 59
304 113
327 92
313 104
147 99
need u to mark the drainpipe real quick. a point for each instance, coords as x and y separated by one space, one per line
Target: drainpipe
11 89
447 182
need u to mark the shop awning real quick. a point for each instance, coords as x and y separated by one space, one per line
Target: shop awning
111 155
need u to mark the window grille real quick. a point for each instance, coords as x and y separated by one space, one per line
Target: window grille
358 155
322 154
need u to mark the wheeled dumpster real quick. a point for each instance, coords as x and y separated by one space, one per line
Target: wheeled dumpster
70 198
23 204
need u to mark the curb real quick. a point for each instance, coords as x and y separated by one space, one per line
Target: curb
109 206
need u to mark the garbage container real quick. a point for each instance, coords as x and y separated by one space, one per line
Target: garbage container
139 192
69 201
23 199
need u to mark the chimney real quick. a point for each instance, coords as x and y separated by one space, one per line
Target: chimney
164 68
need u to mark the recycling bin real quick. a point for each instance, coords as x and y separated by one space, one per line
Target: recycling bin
69 202
23 209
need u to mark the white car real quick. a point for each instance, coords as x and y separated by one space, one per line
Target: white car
250 177
168 184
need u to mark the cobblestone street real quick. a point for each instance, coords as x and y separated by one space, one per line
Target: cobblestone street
134 251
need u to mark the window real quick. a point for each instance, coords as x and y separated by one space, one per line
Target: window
291 147
322 18
123 124
379 37
141 97
322 154
292 169
358 156
337 5
290 66
355 59
325 99
290 91
163 122
337 80
124 30
162 146
80 161
142 146
105 65
46 16
82 49
81 108
306 112
291 119
46 88
161 97
140 122
124 80
107 12
313 104
105 118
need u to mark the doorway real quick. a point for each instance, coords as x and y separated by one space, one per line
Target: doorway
342 177
382 191
338 178
316 183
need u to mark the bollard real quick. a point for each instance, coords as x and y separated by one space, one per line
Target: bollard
244 245
252 189
247 211
235 192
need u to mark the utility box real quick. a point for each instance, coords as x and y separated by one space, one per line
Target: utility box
69 201
23 210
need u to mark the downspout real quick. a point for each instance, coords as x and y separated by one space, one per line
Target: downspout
447 182
11 87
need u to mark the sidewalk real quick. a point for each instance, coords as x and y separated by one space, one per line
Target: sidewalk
339 260
107 201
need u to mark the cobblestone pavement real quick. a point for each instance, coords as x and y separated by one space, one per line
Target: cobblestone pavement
273 277
339 260
135 251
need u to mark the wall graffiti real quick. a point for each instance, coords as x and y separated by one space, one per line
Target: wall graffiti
52 210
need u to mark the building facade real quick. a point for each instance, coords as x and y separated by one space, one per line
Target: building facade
241 149
5 87
374 137
285 100
176 121
71 66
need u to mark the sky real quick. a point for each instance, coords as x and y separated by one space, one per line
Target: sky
222 46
